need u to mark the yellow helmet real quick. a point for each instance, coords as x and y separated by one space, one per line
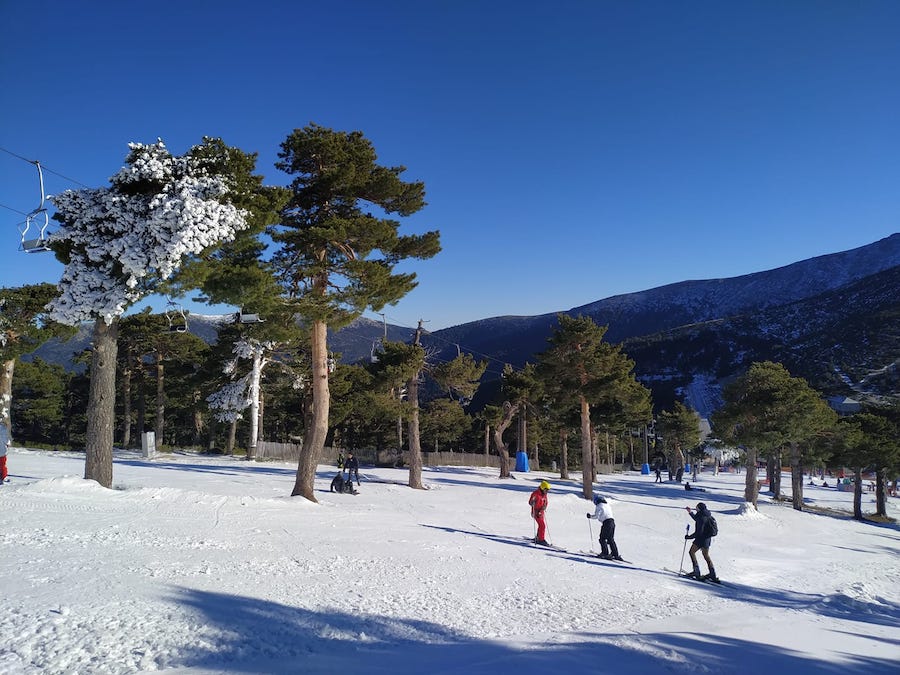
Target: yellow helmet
544 485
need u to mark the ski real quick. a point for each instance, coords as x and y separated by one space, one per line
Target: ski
705 580
552 547
687 575
594 554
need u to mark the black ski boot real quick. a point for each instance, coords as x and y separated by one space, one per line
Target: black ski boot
711 576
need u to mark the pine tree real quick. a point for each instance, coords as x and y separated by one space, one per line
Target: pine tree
24 326
39 403
680 428
517 388
580 369
119 244
766 410
336 258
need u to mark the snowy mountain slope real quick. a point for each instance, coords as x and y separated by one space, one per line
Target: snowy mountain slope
516 339
843 341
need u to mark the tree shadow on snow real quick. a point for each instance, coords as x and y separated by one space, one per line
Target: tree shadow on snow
251 635
251 468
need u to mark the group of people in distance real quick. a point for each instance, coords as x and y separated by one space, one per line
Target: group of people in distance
351 466
705 529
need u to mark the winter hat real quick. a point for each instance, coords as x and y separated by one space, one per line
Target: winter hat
599 500
544 485
701 506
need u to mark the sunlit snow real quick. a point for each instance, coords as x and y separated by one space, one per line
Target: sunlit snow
197 564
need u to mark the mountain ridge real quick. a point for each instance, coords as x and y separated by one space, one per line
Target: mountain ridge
781 314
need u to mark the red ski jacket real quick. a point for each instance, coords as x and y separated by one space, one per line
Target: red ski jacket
538 501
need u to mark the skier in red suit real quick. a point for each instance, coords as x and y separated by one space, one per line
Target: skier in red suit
539 502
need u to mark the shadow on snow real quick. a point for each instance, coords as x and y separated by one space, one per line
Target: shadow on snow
255 635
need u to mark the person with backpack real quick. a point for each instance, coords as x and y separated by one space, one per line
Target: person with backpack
705 528
539 502
604 515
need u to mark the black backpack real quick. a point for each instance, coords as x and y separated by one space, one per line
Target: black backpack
713 527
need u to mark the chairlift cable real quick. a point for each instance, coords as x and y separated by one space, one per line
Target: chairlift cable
56 173
9 208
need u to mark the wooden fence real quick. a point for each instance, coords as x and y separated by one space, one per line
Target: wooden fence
291 452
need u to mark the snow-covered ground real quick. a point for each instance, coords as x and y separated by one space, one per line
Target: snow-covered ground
204 565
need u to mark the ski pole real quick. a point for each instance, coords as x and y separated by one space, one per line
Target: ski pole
687 528
591 530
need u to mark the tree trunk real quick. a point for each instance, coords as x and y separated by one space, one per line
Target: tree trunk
881 483
751 487
587 465
101 412
775 485
314 435
160 399
232 436
413 437
126 403
487 443
509 413
564 455
141 422
198 419
796 477
6 378
211 437
255 377
400 440
857 493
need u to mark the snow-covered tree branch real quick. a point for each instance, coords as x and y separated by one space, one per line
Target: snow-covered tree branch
119 242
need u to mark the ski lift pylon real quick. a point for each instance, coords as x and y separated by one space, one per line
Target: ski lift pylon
38 219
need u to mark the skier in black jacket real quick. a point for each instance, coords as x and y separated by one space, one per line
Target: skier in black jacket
351 466
702 536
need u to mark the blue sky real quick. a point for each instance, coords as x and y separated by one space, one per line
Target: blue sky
571 151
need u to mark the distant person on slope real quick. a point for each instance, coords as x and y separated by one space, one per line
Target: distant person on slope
604 514
352 467
704 530
4 446
539 502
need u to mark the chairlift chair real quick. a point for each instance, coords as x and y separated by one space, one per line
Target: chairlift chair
38 219
177 318
240 317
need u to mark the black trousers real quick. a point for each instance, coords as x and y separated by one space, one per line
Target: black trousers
608 538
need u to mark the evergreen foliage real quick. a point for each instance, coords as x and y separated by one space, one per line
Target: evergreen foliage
336 257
